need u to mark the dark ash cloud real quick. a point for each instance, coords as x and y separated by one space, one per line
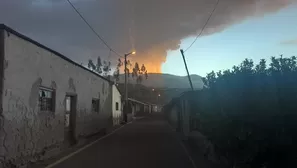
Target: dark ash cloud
152 27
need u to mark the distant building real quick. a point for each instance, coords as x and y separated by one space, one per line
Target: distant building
47 100
178 112
155 108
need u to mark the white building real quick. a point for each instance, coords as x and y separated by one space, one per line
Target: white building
117 109
46 99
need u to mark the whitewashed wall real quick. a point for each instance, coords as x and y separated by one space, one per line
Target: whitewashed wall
28 133
116 114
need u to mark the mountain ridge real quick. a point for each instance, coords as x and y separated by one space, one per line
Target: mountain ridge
160 80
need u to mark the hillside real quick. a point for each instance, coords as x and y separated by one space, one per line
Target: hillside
156 80
150 95
165 85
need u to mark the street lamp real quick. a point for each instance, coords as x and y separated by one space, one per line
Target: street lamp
126 87
126 90
159 95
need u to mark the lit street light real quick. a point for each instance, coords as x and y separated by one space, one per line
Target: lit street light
159 95
126 87
126 90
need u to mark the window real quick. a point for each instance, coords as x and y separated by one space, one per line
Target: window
68 103
95 105
46 100
117 106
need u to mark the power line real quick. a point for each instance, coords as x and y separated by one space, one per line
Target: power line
103 41
204 26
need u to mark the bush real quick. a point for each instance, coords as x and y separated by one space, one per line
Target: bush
250 112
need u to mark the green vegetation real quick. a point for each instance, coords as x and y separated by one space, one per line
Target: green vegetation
138 73
250 113
102 69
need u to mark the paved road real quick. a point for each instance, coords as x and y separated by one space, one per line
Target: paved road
145 143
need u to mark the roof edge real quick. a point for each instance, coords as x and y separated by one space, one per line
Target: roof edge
10 30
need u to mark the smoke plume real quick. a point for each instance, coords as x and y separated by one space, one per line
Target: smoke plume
151 27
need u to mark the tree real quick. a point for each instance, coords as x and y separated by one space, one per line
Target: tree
91 65
99 65
144 71
106 68
102 69
249 112
116 73
137 73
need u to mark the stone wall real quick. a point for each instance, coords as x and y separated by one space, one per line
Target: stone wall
28 134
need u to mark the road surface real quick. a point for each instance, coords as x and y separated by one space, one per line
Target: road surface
144 143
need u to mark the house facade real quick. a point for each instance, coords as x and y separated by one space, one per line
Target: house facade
117 108
138 108
47 101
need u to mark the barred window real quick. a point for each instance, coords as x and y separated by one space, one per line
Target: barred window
46 100
95 105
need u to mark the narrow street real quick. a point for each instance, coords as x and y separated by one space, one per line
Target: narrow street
145 143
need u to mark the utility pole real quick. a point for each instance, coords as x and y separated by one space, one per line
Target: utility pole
126 88
189 77
126 91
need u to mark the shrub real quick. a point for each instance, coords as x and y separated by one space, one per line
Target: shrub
250 112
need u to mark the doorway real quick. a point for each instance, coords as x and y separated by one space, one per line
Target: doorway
70 120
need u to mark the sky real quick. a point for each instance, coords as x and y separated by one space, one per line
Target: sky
254 38
157 29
